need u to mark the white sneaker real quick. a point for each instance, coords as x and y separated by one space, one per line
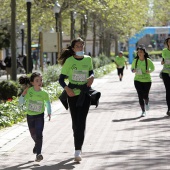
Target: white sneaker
77 155
146 107
143 114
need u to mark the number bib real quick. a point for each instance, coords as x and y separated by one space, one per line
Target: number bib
138 71
35 106
79 75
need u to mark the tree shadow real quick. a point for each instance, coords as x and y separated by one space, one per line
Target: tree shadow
31 165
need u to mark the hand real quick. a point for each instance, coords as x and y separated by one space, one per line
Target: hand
49 117
25 91
90 81
134 71
69 91
147 71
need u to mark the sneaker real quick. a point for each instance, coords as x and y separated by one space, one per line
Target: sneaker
168 113
77 155
143 114
34 150
39 158
146 107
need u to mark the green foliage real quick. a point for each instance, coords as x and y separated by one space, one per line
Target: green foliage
4 37
51 74
11 113
100 61
8 89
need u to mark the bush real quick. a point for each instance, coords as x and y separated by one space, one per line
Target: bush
8 89
51 74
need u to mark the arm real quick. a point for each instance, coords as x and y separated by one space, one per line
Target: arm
151 66
22 97
133 66
48 105
90 79
64 85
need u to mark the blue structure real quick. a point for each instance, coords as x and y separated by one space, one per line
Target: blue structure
146 30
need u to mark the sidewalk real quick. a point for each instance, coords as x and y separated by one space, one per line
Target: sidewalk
116 136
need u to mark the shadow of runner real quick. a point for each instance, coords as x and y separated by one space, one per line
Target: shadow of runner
155 119
127 119
35 165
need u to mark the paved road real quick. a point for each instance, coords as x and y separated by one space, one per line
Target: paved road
116 136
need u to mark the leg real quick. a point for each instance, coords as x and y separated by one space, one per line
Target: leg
36 125
139 89
147 87
39 126
166 80
78 115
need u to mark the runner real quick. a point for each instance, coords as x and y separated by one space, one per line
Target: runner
78 68
120 62
166 72
36 98
142 66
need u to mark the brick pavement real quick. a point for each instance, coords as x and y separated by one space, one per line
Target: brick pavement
116 137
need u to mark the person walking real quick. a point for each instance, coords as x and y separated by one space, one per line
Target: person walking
36 99
78 68
166 72
120 62
142 66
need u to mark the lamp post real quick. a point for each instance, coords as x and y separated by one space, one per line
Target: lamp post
22 26
56 11
29 59
73 17
40 53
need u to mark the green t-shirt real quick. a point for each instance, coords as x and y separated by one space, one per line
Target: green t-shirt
141 74
120 61
77 71
35 101
166 56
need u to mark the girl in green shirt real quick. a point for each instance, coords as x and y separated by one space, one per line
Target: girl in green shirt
142 66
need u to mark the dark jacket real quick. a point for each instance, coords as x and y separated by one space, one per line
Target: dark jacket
94 95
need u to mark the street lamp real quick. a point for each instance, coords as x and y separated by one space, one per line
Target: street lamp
73 17
39 53
29 58
56 11
22 26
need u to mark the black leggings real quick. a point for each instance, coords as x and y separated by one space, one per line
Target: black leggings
142 89
78 115
166 80
120 71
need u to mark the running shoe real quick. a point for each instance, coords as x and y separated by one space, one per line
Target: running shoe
143 114
77 155
147 107
168 113
39 158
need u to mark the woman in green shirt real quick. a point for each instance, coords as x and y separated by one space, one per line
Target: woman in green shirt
142 66
78 69
166 72
120 62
